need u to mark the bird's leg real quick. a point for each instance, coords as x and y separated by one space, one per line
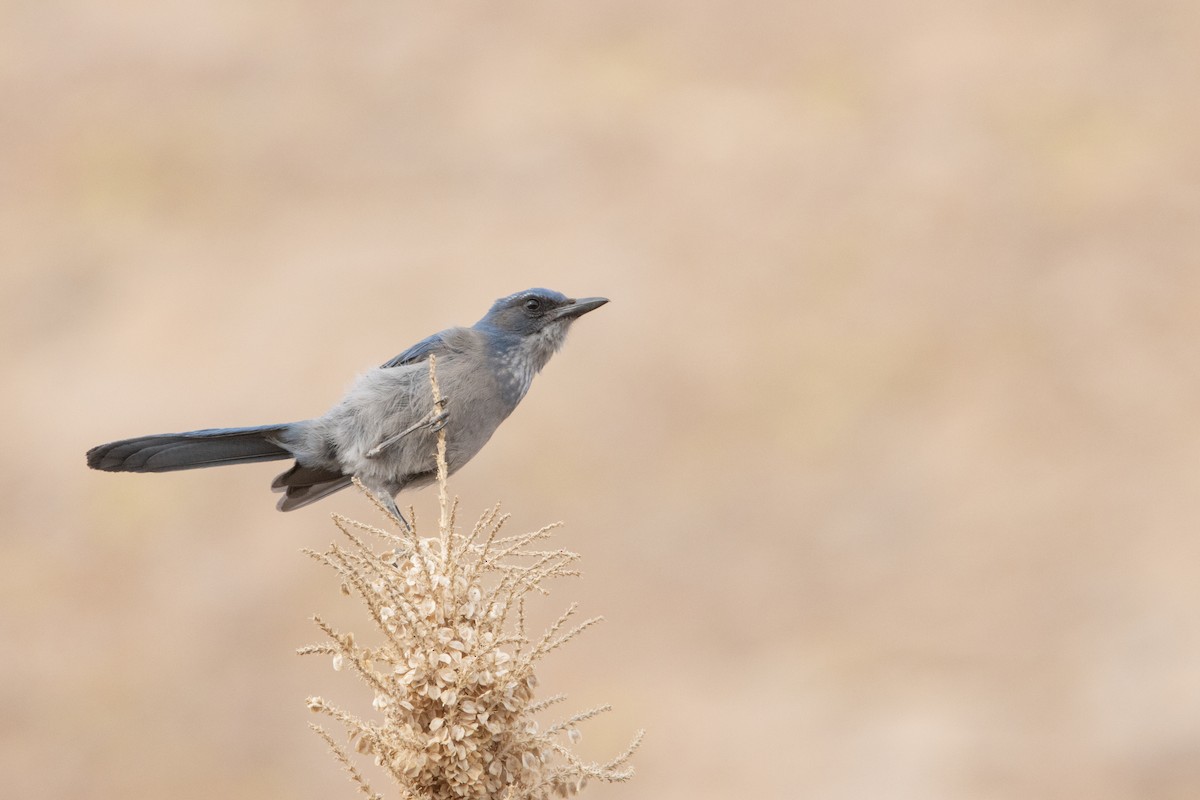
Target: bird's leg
436 420
375 451
389 503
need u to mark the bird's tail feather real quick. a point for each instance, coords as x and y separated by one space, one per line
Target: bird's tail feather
166 452
303 485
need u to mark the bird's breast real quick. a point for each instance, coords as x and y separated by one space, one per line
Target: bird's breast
514 374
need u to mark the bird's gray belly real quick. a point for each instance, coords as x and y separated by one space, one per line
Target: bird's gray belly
385 402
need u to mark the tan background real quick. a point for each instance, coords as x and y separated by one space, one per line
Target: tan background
883 460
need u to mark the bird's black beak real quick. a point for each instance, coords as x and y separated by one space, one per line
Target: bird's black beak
577 308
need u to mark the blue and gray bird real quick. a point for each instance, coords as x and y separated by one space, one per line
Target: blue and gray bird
384 430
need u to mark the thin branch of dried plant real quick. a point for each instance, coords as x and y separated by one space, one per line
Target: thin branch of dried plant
453 679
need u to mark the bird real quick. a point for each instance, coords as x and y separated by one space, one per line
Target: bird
384 429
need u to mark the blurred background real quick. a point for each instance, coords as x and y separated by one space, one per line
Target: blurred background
883 460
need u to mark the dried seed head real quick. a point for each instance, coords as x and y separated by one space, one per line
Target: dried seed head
452 670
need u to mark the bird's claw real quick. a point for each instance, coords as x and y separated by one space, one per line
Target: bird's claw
438 420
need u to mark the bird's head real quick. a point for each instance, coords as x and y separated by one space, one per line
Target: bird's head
534 323
537 311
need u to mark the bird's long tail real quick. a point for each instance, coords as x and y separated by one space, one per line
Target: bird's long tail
213 447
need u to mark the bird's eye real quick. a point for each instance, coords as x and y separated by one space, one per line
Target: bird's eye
533 305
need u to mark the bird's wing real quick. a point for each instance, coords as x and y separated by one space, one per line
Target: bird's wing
420 351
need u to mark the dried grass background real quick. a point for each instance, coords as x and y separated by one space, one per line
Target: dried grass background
883 460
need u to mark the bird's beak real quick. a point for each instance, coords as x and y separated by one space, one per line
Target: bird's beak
577 308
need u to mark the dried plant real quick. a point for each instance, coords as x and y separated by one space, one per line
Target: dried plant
453 674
